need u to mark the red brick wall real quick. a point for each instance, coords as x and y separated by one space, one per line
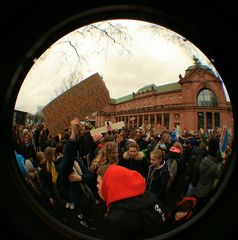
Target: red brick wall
182 102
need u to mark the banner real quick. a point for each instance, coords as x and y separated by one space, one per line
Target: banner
117 125
82 100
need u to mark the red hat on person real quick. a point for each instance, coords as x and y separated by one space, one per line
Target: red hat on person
175 150
121 183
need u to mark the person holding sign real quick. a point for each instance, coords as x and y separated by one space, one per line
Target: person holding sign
76 178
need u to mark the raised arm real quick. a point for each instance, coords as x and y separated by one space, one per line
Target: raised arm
70 150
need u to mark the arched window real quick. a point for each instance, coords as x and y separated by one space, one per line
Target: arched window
206 97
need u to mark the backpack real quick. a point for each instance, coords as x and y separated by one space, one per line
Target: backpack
172 168
187 204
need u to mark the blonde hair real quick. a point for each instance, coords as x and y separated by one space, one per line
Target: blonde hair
26 134
106 155
50 166
158 153
49 154
40 156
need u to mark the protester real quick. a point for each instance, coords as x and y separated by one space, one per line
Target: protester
158 175
77 183
134 159
108 154
210 170
132 213
75 178
27 148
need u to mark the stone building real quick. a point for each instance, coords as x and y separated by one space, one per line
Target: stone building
196 101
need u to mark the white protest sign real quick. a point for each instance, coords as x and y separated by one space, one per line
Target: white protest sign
117 125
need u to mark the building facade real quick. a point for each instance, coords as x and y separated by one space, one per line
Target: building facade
20 117
196 101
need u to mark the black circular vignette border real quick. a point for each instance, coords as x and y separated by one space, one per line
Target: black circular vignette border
23 42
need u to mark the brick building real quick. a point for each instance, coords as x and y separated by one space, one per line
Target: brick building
196 101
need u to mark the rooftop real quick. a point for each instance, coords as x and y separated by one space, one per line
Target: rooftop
159 89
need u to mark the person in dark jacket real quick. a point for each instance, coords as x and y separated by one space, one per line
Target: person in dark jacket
27 148
75 177
134 159
158 175
86 145
210 170
132 212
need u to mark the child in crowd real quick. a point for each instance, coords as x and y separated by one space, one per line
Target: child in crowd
158 175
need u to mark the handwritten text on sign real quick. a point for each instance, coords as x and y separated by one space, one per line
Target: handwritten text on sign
82 100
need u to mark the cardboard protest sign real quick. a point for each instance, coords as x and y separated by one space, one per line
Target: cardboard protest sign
117 125
82 100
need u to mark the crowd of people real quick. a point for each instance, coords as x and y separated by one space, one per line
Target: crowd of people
123 182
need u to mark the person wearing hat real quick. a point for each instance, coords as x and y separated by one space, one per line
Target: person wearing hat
131 211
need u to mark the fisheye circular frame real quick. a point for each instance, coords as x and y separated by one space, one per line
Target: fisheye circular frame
98 14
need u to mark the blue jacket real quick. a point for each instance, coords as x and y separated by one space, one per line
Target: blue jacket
21 163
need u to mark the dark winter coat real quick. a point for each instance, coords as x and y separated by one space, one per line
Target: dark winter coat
210 169
73 189
138 164
28 152
134 218
132 213
157 180
46 181
192 164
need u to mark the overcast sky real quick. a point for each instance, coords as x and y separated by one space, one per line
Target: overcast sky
155 57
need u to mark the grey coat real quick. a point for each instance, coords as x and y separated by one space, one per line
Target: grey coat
210 169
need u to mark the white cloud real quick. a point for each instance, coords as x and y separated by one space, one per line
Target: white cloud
153 60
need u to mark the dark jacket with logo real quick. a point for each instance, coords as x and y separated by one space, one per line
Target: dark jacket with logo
134 218
132 212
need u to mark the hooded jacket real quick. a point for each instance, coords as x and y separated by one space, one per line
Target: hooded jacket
210 169
132 213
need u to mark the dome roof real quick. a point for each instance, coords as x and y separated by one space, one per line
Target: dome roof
147 88
198 64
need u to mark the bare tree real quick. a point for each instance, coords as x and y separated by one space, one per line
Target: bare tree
188 47
109 34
